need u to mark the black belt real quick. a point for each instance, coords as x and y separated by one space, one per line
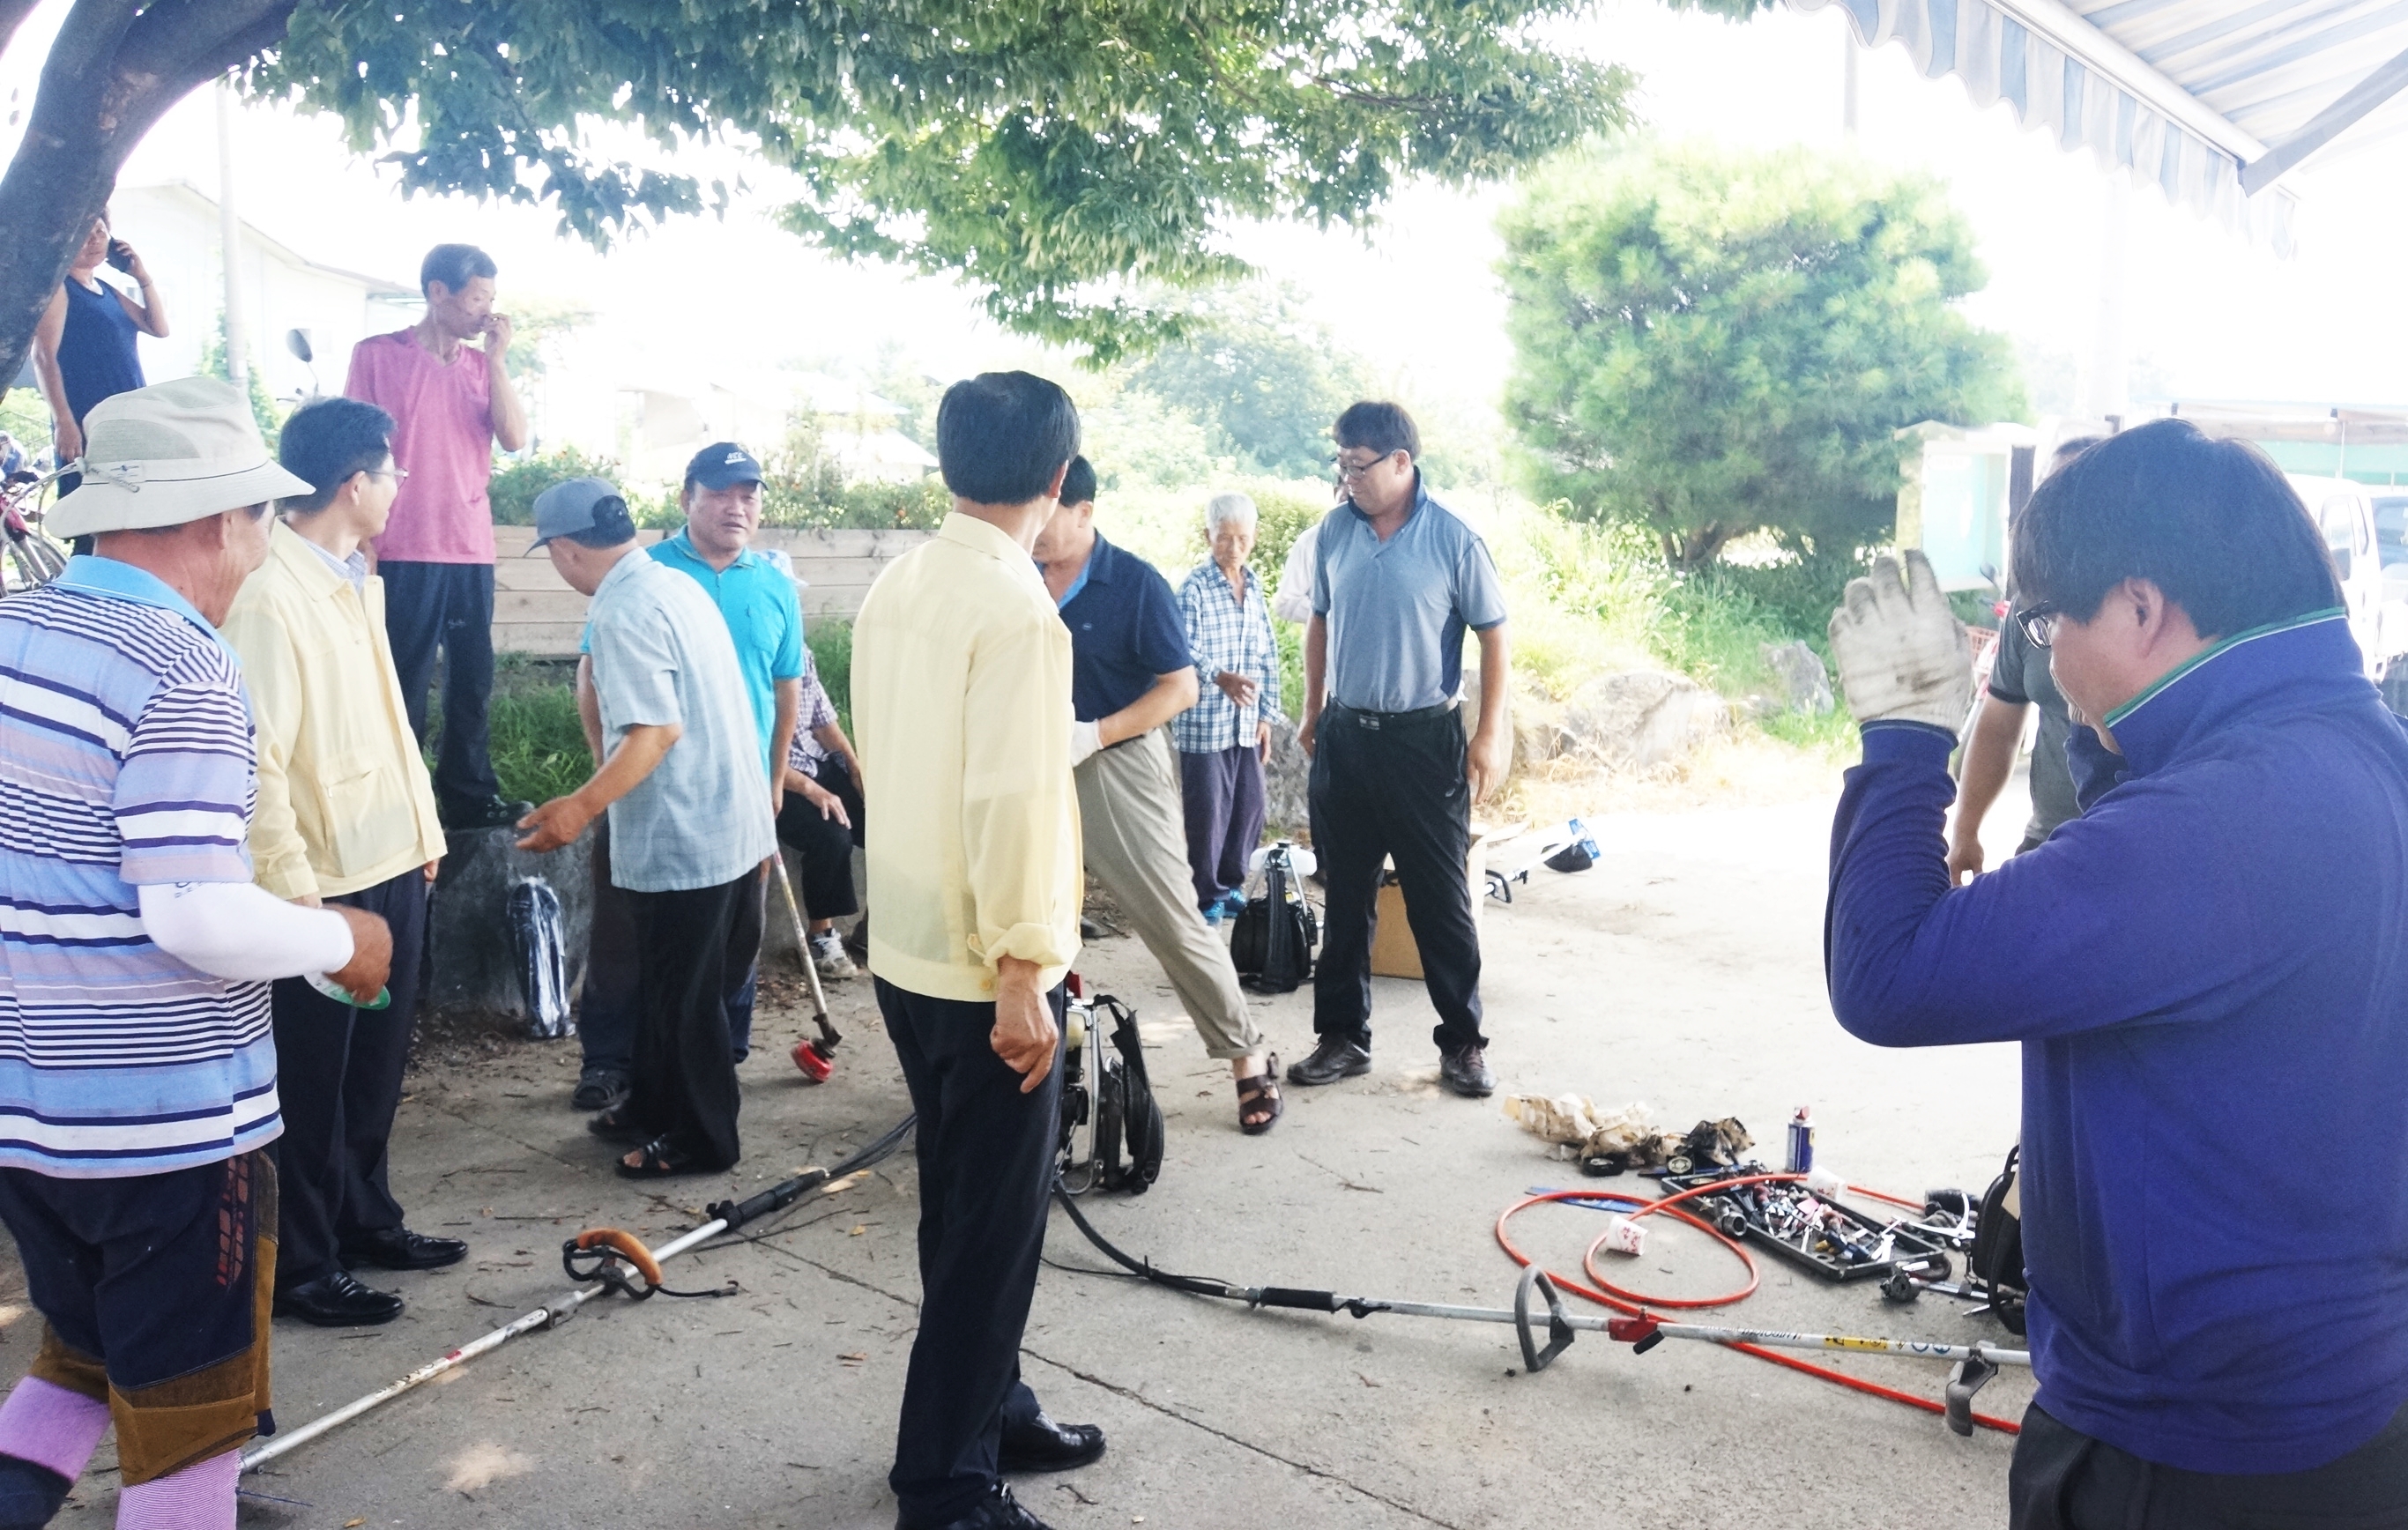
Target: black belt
1376 720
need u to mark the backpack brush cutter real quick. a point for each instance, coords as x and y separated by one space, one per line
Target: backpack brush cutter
1546 1328
815 1057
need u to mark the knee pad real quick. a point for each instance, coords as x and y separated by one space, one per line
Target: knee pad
30 1495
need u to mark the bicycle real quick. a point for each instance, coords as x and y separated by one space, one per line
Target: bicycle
33 558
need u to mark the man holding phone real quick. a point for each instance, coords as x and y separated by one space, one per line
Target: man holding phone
452 404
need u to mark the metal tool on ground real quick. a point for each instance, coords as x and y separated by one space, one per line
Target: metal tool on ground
1546 1328
601 1260
815 1056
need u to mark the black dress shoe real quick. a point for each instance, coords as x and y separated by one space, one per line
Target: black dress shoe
1041 1445
491 813
998 1510
1333 1059
337 1301
398 1247
1466 1072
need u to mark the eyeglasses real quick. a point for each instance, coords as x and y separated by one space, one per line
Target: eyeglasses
1348 472
397 474
2039 623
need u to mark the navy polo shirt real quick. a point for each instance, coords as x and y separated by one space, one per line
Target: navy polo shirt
1125 632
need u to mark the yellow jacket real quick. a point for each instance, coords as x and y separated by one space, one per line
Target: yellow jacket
344 798
961 710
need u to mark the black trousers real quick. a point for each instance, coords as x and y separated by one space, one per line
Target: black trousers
1394 792
986 1163
448 606
338 1076
825 845
610 1001
2064 1479
694 948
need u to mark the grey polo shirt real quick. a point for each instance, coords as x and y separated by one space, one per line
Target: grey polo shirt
1396 609
662 654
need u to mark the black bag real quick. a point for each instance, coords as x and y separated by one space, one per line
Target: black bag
533 914
1996 1259
1273 943
1128 1119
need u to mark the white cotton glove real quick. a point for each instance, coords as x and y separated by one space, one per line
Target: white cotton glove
1086 739
1902 655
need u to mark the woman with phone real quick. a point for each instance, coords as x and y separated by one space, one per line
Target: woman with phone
83 348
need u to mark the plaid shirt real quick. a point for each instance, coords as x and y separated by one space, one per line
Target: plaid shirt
1228 636
806 753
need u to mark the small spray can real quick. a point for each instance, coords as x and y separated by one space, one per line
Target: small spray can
1802 1141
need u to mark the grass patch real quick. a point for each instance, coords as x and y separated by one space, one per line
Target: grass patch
538 747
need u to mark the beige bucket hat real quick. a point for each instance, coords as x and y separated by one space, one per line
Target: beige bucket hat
168 454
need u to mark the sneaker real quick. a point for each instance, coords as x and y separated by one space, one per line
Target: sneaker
1212 915
1466 1072
491 813
1333 1059
599 1089
828 954
1233 903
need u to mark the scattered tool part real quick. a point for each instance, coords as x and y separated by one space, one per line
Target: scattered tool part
1797 1218
816 1058
589 1255
1539 1308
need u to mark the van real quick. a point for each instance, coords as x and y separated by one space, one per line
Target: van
2365 528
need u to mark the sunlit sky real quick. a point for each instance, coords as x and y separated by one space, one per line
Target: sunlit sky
2209 316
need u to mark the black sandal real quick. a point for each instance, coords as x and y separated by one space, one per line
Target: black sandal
1257 1091
659 1161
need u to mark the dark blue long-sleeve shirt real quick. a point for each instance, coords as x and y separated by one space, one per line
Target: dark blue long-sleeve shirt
2209 973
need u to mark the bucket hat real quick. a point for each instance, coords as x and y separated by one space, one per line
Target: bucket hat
167 454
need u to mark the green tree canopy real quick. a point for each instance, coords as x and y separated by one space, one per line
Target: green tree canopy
1709 343
1049 155
1261 373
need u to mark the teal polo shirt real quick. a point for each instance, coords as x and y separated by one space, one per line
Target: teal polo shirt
763 615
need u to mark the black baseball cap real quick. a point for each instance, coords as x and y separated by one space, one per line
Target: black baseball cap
723 464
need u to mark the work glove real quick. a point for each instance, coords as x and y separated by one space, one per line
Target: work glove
1902 655
1086 739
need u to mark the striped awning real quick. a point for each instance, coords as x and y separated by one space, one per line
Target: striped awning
2211 101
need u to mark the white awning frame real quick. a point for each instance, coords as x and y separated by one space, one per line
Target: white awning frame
2060 73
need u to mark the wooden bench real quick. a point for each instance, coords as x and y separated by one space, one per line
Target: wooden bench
536 612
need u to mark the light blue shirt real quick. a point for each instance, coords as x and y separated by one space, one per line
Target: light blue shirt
1396 609
662 654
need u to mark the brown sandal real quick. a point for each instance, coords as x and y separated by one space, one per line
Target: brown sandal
1257 1093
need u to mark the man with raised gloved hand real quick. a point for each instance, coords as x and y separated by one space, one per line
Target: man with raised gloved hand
137 1071
2212 957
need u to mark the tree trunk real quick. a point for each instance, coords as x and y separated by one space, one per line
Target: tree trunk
1692 550
114 70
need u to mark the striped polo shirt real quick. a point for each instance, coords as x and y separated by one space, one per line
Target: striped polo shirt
125 759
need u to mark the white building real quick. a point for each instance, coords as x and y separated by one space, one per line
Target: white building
175 227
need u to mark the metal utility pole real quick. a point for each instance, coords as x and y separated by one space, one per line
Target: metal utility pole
1848 80
230 245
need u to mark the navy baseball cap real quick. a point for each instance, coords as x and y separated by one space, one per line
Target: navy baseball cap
573 506
724 465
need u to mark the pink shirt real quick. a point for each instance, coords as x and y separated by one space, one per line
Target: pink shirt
442 437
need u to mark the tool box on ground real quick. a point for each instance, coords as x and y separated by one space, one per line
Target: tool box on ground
1816 1232
1109 1094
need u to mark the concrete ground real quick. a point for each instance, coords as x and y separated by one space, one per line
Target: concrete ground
1684 970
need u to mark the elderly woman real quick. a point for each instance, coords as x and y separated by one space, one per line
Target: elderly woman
1225 738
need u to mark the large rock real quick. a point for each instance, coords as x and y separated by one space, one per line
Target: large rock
1802 676
1640 719
1286 782
471 965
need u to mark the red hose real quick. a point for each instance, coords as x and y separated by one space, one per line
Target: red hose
1634 1306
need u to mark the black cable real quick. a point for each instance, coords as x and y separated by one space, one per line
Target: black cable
788 1194
1193 1285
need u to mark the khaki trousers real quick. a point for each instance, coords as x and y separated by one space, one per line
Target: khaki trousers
1135 841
